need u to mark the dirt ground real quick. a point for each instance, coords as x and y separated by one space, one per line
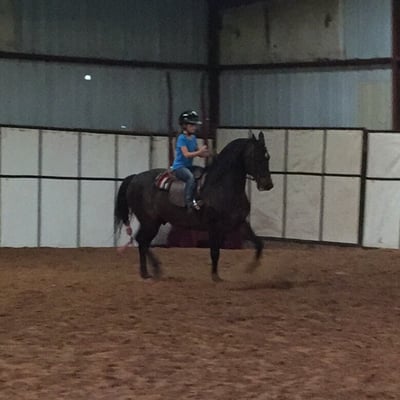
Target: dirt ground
313 322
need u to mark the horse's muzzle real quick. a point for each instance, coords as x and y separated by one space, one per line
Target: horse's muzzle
265 184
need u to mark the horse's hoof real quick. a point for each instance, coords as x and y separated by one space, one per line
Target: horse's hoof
146 277
158 274
216 278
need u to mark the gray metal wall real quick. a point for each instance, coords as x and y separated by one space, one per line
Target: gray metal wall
150 30
367 28
342 97
56 94
307 98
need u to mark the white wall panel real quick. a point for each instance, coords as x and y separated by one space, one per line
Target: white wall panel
224 136
19 212
97 214
58 225
159 157
275 142
98 155
343 152
382 214
384 155
19 151
382 210
133 154
303 207
266 215
133 157
59 153
305 151
341 209
59 213
274 139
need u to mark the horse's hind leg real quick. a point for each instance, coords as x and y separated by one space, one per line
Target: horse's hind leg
143 261
144 237
216 240
249 234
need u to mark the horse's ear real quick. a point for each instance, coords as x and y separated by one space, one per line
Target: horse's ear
253 137
261 138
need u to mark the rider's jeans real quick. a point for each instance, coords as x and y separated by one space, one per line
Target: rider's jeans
186 175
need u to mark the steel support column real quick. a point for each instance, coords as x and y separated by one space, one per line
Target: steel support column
395 65
214 22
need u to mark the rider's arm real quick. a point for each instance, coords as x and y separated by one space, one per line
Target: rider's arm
191 154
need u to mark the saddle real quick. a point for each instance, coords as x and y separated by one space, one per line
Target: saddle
168 182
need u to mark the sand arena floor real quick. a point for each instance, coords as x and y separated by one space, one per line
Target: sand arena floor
313 322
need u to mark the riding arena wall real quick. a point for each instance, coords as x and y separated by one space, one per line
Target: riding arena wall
57 188
330 185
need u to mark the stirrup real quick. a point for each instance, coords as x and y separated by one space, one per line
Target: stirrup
195 205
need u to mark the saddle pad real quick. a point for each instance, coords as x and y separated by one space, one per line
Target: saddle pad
164 180
168 182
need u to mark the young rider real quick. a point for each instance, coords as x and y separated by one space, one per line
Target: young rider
186 150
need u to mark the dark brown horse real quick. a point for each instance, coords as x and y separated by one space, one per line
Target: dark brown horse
226 206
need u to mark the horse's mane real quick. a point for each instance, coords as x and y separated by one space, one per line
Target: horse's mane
226 160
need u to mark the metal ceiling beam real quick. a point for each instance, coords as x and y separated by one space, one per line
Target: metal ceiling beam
222 4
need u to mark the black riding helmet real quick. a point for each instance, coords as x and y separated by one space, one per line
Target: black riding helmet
189 117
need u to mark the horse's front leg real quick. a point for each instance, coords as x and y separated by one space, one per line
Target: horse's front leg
249 234
155 262
216 240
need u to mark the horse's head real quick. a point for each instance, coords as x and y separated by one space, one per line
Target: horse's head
257 162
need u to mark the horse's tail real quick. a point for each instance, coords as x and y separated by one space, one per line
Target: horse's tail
121 210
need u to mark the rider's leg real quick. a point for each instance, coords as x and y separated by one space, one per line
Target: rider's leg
185 175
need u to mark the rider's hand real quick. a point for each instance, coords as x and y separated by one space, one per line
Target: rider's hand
203 151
